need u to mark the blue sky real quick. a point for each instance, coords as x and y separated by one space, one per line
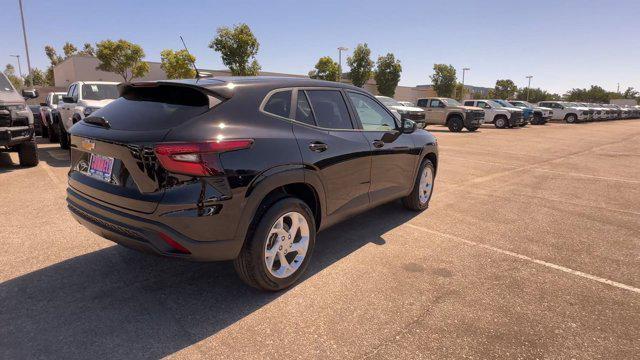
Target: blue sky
563 44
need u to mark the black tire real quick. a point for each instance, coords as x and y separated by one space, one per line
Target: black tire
53 134
523 124
28 153
537 120
45 131
455 124
63 137
501 122
250 263
571 119
412 201
472 128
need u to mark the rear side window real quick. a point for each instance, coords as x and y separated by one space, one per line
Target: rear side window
422 102
303 109
330 109
279 104
154 108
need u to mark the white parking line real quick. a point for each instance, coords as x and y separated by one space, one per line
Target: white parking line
589 176
52 176
530 259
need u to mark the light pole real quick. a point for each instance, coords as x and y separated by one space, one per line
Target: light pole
19 66
464 70
24 34
529 86
340 50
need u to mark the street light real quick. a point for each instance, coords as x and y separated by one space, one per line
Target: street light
464 70
24 34
340 50
19 66
529 86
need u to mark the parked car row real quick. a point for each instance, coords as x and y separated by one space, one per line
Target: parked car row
503 113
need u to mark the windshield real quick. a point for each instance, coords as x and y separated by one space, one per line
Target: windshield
451 102
495 104
522 103
99 91
5 85
503 103
388 101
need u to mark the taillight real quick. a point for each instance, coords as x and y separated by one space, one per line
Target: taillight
197 159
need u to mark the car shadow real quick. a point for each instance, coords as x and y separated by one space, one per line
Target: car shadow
50 153
118 303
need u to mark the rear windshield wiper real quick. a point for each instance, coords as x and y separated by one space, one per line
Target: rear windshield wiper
97 120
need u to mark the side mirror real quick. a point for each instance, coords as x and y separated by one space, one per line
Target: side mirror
442 105
43 104
408 126
68 99
29 94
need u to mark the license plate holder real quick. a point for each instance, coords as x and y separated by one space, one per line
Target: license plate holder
101 167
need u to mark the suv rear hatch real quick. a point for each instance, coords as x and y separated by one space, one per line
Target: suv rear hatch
112 151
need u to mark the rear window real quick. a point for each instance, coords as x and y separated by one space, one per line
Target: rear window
99 91
154 108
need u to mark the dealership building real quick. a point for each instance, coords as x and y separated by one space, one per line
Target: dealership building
83 68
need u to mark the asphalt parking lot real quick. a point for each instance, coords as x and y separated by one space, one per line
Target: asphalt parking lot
530 249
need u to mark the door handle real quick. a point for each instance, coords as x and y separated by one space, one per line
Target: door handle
318 146
378 143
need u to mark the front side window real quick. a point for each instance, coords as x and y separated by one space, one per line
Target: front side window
72 88
483 105
279 104
372 116
435 103
99 91
329 109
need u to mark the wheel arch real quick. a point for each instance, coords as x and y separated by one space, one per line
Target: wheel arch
275 184
454 114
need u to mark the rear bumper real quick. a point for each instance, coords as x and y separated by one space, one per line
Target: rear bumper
11 136
144 234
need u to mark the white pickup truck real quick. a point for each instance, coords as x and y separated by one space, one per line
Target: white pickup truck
495 113
82 98
569 112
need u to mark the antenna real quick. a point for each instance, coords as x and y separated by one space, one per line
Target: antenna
193 62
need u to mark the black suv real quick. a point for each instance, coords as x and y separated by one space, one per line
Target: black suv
244 168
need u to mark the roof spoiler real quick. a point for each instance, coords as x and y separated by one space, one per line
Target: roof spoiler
221 91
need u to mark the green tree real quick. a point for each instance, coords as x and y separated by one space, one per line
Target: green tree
361 65
123 58
387 74
461 91
49 77
593 94
536 95
504 89
36 78
326 69
54 58
69 49
444 79
10 73
237 47
88 50
177 64
630 93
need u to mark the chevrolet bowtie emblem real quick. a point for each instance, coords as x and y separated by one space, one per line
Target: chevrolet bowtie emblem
88 145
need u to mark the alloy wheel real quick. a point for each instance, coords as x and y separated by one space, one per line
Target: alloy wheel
426 184
286 245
